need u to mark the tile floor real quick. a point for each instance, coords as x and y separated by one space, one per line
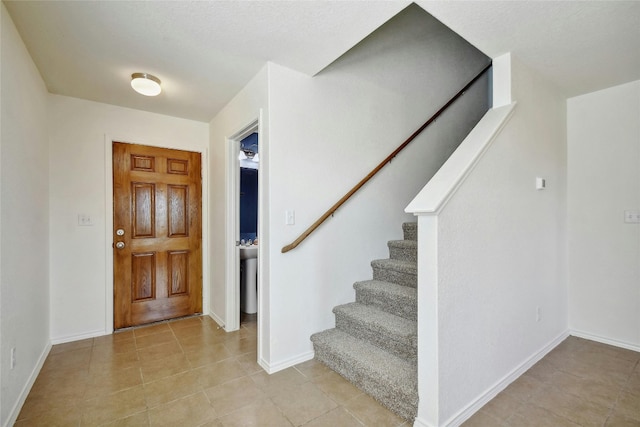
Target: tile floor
189 373
579 383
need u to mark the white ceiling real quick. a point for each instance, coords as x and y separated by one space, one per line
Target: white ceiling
206 51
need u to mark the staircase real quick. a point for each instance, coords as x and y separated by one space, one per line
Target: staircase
374 343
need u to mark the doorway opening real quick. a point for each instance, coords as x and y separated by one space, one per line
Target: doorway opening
243 282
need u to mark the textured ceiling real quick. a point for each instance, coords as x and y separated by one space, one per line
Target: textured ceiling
206 51
582 46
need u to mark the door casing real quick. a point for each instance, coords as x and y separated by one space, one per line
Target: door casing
108 215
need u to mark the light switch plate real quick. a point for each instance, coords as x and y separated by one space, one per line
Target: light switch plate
632 216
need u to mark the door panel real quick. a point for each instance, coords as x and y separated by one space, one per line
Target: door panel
157 202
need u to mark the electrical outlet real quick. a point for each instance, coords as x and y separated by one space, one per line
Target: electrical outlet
537 314
13 357
85 220
632 217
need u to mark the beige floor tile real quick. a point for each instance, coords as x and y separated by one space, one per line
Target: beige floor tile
524 387
482 419
260 413
534 416
208 354
233 395
371 413
159 351
586 388
249 363
105 348
543 370
628 406
110 362
114 338
190 411
151 329
633 384
503 406
56 417
242 346
198 341
616 420
312 369
122 404
171 388
74 345
164 337
71 360
571 407
302 403
165 367
186 323
111 382
334 418
278 382
219 373
141 419
337 388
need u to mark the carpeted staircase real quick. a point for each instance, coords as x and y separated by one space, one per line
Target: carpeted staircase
374 343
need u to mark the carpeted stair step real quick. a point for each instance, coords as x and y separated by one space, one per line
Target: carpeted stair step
387 331
390 297
405 250
395 271
410 230
390 380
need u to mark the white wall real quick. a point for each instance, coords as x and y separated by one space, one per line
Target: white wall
494 254
603 182
24 222
326 133
249 105
80 183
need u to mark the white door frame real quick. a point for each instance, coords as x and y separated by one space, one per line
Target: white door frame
108 154
232 276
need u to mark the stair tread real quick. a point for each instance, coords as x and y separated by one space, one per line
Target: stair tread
388 288
396 265
375 318
395 371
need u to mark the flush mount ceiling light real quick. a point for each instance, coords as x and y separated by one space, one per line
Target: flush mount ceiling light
146 84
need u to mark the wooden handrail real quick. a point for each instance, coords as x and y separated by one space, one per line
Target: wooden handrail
388 159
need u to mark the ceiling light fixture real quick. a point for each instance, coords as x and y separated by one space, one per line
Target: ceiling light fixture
249 154
146 84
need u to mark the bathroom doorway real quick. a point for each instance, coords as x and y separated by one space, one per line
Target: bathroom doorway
249 158
243 217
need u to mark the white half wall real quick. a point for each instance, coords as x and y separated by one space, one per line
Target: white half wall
494 257
81 256
604 182
24 222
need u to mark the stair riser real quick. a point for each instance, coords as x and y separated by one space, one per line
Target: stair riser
405 405
406 308
399 346
393 276
410 231
404 254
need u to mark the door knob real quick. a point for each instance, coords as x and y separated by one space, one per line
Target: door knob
120 232
120 245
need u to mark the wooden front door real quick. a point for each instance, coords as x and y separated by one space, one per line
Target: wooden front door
157 234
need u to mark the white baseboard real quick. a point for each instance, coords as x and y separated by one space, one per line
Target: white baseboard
604 340
84 336
273 368
492 392
15 410
217 319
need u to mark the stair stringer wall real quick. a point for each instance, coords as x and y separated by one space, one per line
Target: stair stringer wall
491 250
